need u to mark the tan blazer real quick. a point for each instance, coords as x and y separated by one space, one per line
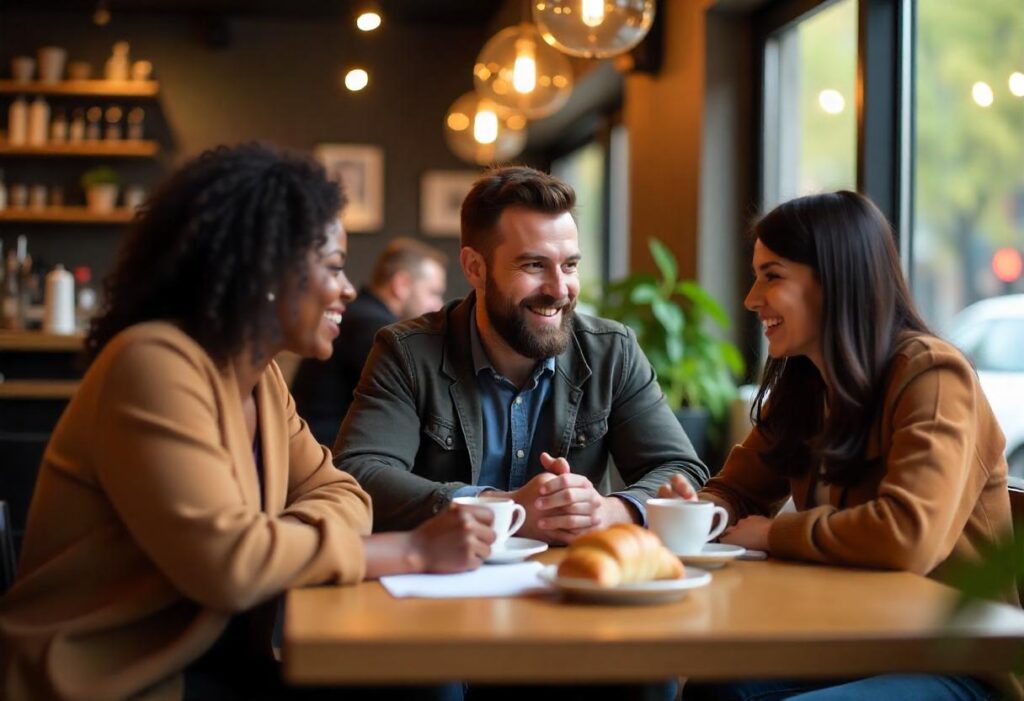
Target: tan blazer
147 532
937 494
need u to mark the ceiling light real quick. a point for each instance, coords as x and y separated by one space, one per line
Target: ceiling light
479 130
357 79
518 70
593 28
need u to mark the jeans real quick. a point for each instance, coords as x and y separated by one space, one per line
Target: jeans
927 687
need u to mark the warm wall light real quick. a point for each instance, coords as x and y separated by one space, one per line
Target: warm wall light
368 21
593 28
1017 84
101 15
479 130
368 16
831 101
518 70
357 79
982 94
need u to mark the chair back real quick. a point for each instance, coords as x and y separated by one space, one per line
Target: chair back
7 559
1016 488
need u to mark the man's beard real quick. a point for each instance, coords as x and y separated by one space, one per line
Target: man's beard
509 320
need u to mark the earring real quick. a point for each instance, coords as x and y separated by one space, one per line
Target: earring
271 296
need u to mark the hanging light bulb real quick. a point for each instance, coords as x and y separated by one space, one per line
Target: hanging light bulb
592 12
368 16
481 131
593 28
101 15
517 69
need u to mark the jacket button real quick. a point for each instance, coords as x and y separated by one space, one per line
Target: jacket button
582 438
520 453
448 440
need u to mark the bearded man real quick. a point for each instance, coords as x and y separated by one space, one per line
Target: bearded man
510 391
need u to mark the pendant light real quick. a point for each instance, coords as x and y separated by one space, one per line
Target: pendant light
593 28
479 130
517 69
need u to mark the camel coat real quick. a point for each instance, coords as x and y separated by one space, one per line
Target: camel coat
933 489
150 527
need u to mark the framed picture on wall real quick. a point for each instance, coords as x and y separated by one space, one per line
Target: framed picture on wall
441 195
360 168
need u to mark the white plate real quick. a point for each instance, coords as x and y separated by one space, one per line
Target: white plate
655 592
713 555
516 550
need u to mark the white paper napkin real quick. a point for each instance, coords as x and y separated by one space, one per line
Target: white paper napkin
489 580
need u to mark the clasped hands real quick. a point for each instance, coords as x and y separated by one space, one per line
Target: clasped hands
750 532
561 505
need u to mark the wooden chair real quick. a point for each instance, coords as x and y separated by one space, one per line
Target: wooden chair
7 559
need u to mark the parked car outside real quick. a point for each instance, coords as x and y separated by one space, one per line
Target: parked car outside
991 333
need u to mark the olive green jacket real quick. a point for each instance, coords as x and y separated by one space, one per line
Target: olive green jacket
414 434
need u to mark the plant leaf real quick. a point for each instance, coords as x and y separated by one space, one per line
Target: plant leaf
665 261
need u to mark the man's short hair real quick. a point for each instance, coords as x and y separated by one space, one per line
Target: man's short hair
406 254
509 186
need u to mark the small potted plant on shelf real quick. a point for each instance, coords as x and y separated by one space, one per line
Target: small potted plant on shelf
673 319
101 186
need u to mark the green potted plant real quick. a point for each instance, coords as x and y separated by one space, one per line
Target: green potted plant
673 320
101 187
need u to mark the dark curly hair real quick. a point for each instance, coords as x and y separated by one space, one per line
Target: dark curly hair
220 234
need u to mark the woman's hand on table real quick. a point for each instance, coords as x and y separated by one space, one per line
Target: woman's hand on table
750 532
678 486
455 540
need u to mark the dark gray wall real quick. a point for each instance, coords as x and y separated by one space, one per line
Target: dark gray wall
276 80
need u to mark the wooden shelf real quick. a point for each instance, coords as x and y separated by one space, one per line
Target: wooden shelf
40 341
66 215
111 149
38 389
83 88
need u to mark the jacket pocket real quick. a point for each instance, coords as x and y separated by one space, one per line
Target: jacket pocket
589 430
445 434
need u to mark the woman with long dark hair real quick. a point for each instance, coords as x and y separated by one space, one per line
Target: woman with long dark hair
877 429
180 490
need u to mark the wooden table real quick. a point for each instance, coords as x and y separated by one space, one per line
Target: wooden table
755 619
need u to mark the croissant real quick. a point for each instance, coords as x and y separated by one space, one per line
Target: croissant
621 554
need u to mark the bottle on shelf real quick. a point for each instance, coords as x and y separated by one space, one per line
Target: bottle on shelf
59 301
59 127
11 317
76 130
86 296
136 115
17 122
3 197
117 66
113 119
37 197
38 121
92 123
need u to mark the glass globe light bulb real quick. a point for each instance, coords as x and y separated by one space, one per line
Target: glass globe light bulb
518 70
593 28
479 130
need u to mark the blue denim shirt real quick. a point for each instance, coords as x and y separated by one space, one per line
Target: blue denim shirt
513 422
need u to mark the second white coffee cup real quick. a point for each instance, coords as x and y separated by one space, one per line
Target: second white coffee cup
685 526
509 516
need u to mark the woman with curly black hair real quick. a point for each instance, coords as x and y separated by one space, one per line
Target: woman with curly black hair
877 429
180 490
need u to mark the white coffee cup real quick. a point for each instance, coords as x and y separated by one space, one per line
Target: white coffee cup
509 516
685 526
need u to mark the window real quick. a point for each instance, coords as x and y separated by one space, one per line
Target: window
968 232
585 170
810 125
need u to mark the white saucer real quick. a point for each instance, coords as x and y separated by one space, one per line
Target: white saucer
713 555
656 592
516 550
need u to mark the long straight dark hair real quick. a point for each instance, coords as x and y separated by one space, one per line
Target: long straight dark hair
866 308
